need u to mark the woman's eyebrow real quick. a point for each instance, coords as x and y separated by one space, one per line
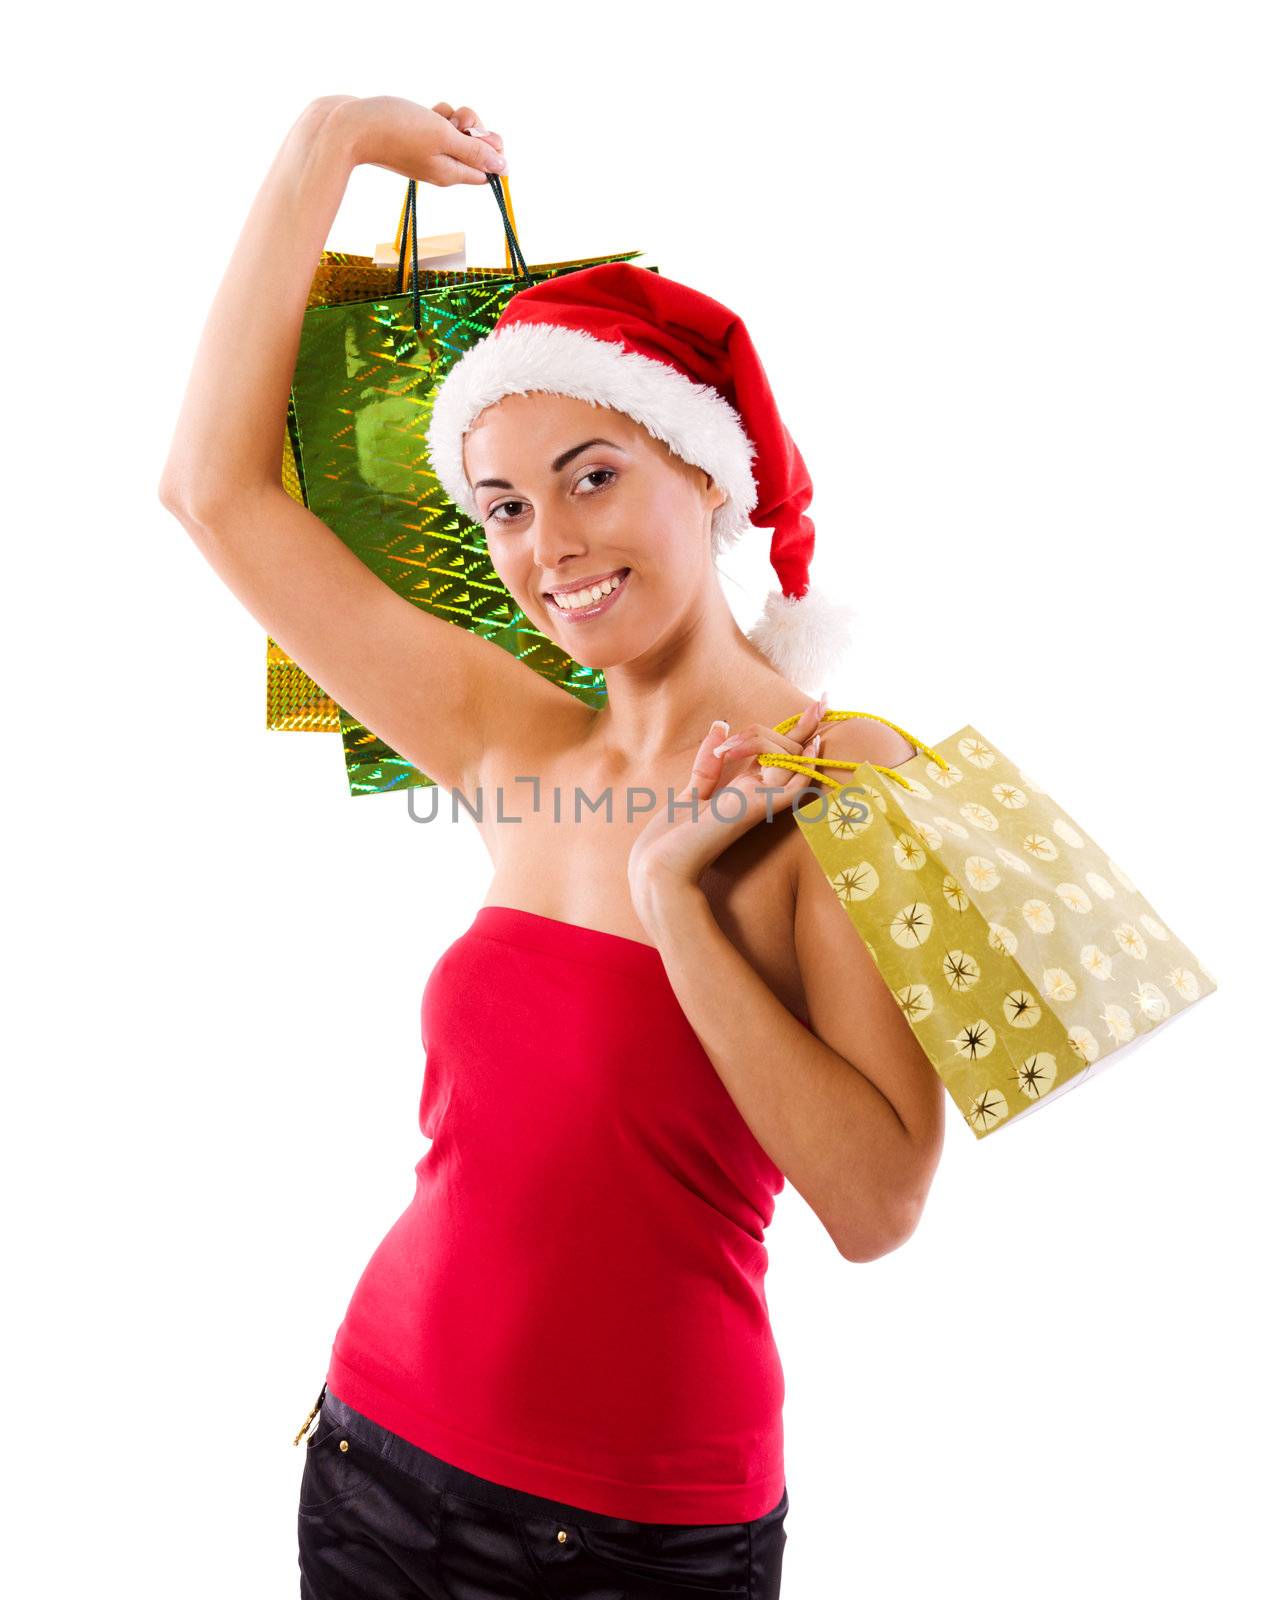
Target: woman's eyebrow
557 465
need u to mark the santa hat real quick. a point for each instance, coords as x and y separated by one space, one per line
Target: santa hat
683 366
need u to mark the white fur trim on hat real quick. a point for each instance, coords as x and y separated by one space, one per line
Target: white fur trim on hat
697 423
802 638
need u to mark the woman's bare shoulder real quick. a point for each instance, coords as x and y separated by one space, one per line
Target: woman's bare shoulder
862 739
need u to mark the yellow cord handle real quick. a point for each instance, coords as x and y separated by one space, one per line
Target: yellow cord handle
811 764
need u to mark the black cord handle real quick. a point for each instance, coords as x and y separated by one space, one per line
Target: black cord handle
513 244
519 266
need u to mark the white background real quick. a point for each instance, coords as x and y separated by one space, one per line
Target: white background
1005 265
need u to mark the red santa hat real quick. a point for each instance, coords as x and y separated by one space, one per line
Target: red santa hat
683 366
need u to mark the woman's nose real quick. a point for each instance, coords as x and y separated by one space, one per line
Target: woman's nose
553 539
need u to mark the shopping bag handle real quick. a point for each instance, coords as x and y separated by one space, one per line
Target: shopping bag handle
811 764
516 265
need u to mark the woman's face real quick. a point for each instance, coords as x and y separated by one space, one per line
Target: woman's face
567 492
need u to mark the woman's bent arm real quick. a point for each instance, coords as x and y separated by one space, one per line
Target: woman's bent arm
825 1122
431 689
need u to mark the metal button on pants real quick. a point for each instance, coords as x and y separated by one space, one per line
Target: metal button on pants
380 1519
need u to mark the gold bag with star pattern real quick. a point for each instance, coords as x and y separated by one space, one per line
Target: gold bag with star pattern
1022 956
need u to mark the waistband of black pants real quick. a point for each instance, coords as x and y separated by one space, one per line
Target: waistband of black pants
418 1463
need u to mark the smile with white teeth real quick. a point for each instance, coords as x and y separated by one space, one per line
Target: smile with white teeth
593 599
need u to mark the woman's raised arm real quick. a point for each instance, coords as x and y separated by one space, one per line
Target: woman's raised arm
428 687
229 436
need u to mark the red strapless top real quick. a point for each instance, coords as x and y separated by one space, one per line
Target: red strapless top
573 1304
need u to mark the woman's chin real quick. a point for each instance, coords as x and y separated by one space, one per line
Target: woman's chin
593 640
599 656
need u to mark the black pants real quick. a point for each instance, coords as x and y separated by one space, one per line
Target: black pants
380 1519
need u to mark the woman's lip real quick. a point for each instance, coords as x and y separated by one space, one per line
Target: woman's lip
583 613
587 583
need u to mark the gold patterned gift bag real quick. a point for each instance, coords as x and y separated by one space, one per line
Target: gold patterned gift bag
1022 956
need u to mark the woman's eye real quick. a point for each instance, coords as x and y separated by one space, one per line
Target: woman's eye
496 512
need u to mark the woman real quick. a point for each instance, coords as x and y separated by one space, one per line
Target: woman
556 1374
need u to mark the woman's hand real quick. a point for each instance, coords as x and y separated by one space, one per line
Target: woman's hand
673 850
437 145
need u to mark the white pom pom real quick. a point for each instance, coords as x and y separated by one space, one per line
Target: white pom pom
803 638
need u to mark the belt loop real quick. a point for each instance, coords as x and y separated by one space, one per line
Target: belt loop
308 1419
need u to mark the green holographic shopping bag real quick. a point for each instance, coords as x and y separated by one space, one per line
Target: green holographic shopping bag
294 702
375 344
1022 956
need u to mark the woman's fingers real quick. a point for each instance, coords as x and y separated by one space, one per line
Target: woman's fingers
756 740
423 143
468 144
493 140
748 741
694 816
466 120
707 766
447 170
807 724
810 719
718 749
792 741
475 154
787 784
752 738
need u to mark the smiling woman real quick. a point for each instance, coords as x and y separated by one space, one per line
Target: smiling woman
613 518
683 368
577 597
560 1355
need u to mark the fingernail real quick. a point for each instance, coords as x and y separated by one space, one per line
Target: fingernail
498 164
812 747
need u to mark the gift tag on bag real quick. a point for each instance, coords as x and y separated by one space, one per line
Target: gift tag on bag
436 249
1022 955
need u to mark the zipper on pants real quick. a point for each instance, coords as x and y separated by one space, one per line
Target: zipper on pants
308 1420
